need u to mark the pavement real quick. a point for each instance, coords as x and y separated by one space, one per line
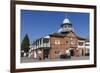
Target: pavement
30 60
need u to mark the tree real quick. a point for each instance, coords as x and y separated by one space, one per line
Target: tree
25 44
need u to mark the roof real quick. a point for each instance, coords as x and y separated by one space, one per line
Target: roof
63 34
81 38
57 35
66 24
67 32
87 40
47 36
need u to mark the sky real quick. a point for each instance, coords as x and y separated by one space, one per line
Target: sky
41 23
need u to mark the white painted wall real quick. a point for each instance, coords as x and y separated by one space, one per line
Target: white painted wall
5 37
35 55
87 46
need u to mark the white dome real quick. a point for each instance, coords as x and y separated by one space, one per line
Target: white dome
66 20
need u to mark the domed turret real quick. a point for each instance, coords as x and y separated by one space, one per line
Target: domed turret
66 26
66 20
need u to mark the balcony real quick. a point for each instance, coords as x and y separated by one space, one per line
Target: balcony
42 45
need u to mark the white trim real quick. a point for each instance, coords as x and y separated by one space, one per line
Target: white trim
59 63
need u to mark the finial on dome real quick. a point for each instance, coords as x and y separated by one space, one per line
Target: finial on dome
66 20
66 15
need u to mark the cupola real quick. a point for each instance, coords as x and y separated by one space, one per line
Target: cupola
66 26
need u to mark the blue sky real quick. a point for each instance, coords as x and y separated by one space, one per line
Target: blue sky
41 23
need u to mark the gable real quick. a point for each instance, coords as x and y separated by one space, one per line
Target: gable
71 34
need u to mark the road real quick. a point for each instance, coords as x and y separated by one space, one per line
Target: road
28 60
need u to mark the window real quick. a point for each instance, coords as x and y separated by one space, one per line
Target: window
80 43
71 39
86 44
65 26
66 42
72 42
45 40
57 41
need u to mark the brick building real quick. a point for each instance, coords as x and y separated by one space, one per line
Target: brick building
65 41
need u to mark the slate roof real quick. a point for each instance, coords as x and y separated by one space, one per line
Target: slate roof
57 35
63 35
81 38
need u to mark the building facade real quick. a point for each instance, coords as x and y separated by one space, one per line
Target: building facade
65 41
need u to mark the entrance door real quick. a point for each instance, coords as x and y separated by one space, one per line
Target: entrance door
72 52
46 53
82 52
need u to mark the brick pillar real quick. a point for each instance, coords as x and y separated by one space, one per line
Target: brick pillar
52 54
32 56
84 51
77 52
42 54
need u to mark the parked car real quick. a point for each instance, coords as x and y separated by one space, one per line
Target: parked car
87 54
65 56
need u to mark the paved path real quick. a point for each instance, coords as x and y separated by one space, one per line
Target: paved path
28 60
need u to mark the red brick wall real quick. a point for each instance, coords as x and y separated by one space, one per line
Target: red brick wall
63 44
56 47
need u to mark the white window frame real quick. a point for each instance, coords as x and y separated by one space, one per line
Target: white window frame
57 41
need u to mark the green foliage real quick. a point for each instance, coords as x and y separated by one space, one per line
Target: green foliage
25 43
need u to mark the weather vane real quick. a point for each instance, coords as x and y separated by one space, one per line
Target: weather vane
66 15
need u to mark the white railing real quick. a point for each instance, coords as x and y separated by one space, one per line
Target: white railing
46 45
41 45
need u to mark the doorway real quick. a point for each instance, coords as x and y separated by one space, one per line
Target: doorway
82 52
45 53
72 52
